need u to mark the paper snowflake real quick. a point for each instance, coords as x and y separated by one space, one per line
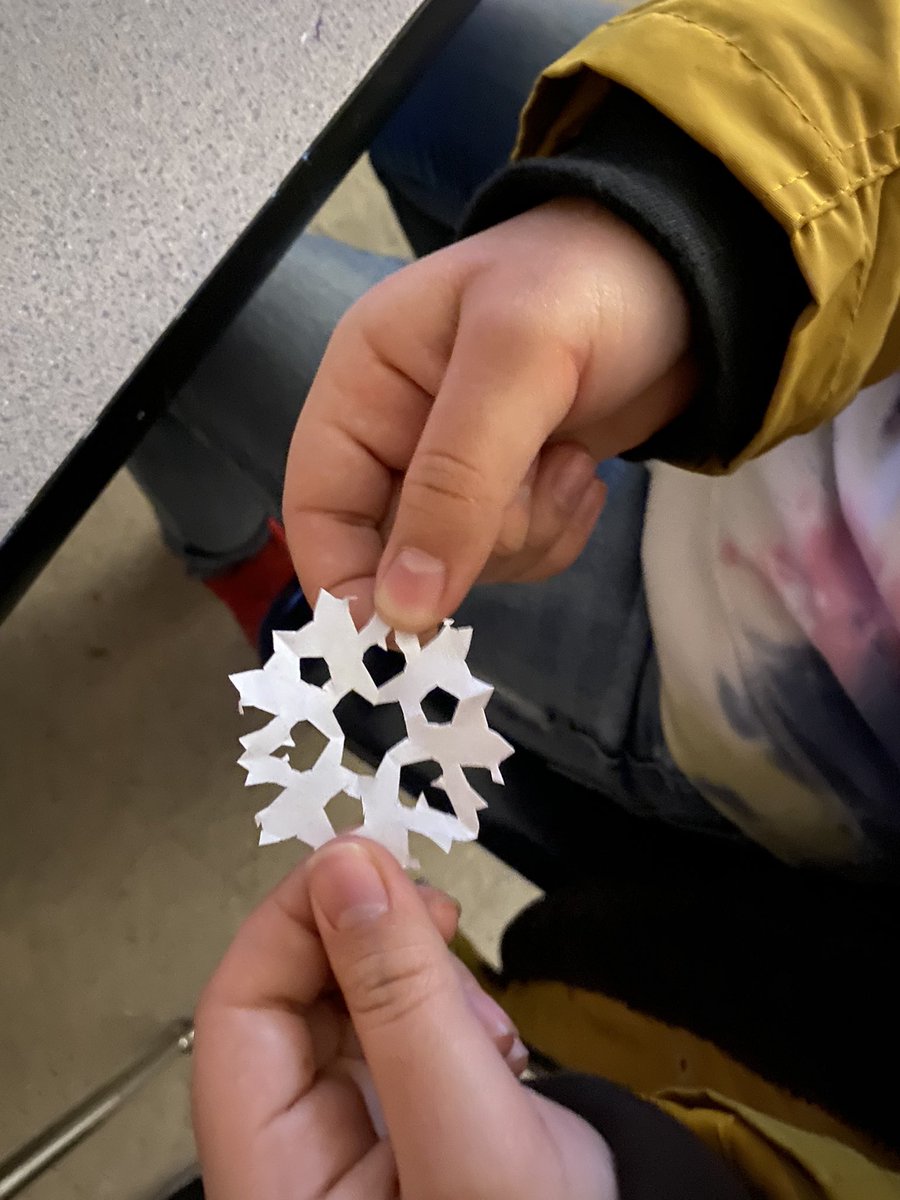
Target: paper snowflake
466 740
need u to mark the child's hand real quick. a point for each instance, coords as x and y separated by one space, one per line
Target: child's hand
452 431
275 1115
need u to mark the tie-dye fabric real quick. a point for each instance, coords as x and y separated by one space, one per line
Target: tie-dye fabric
780 661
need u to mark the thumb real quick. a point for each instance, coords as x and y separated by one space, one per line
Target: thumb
448 1098
507 387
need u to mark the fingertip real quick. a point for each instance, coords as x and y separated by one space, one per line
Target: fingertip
346 885
351 872
361 594
517 1057
580 527
410 589
594 503
292 893
572 472
444 911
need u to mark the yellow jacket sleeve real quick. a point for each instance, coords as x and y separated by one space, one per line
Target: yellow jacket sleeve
779 1161
801 101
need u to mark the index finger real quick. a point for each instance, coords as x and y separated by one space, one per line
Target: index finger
359 428
259 1034
254 1053
276 958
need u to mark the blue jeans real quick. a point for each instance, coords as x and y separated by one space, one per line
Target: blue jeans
572 659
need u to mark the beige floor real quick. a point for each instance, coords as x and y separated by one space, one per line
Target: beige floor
128 852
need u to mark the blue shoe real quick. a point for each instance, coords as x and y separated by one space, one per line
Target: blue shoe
290 610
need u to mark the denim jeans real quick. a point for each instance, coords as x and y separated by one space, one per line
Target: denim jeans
572 658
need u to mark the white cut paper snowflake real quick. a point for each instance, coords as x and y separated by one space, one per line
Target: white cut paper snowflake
466 740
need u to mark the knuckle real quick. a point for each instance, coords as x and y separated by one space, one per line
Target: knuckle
387 987
511 315
363 321
444 476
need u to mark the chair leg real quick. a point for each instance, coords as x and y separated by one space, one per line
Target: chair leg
33 1158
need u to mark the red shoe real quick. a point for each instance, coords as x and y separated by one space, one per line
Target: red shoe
251 588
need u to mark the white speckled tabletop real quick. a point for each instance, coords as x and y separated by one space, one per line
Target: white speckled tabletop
137 140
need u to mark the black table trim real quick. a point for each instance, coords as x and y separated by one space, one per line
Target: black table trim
90 465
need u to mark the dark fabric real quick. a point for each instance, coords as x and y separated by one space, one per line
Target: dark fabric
733 260
190 1191
655 1157
787 970
423 232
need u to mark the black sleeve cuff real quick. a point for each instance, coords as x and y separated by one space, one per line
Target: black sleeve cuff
732 258
655 1157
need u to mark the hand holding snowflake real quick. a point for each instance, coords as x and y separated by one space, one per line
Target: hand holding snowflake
299 810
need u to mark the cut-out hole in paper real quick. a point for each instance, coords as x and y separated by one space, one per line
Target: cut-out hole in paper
418 776
477 777
444 748
354 763
307 750
383 664
439 706
375 724
344 812
314 671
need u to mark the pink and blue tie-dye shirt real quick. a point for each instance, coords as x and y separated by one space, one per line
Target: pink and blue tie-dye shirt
780 659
